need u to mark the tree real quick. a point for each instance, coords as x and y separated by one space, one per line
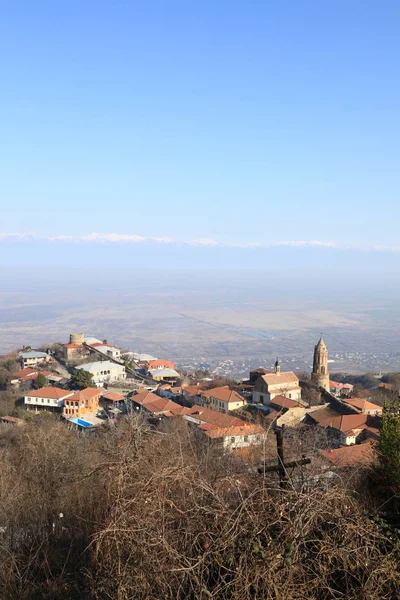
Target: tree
5 378
81 379
389 446
41 381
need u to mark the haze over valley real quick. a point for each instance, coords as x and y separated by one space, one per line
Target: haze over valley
227 321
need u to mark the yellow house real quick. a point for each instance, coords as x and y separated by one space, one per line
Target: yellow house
83 402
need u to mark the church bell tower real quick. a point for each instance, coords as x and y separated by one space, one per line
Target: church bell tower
277 367
320 375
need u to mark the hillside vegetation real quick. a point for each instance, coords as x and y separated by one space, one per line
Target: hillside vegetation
133 513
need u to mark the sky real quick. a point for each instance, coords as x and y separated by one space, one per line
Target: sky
209 130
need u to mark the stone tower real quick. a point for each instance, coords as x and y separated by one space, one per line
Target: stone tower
277 367
320 375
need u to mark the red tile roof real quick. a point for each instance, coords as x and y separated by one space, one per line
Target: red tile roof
224 394
340 386
386 386
362 404
344 423
245 429
350 456
157 405
72 346
283 402
155 364
213 417
24 373
192 390
114 396
86 394
49 392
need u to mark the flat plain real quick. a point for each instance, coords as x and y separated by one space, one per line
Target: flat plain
226 321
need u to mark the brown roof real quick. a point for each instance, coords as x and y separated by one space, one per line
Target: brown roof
72 345
343 423
362 404
12 420
49 392
349 456
245 429
113 396
386 386
90 392
156 405
142 397
24 373
85 394
339 386
192 390
223 393
285 377
283 402
323 414
213 417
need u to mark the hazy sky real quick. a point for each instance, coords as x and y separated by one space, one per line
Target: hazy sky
236 121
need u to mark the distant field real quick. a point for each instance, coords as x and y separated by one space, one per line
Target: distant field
198 319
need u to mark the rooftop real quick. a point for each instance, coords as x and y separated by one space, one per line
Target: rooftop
49 392
115 397
344 423
143 357
350 456
33 354
100 365
163 373
24 373
246 429
362 404
283 402
85 394
284 377
158 405
224 394
201 414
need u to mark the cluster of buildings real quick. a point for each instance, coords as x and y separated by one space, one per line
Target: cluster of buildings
223 414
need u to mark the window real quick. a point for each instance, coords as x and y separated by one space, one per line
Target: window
246 438
261 398
48 400
232 440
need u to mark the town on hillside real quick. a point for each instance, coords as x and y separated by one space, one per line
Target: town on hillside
88 382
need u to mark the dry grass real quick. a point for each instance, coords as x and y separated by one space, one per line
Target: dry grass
165 516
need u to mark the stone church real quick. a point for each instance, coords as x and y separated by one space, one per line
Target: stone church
270 385
320 375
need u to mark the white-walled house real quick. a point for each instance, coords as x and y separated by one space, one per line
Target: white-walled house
33 358
221 398
106 349
232 438
46 398
104 371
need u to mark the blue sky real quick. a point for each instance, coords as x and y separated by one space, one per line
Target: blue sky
237 122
